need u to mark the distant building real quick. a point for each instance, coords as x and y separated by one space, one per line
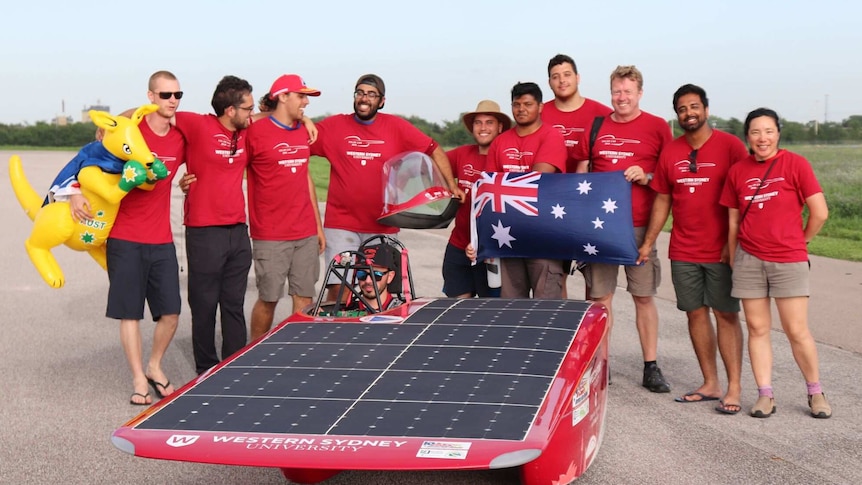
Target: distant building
61 120
85 115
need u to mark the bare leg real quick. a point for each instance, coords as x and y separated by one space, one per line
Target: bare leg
607 301
794 320
166 327
130 338
646 318
759 320
703 341
261 317
730 346
300 302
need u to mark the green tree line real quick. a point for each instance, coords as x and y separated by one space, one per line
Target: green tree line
47 135
447 133
812 132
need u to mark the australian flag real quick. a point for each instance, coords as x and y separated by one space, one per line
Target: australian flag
575 216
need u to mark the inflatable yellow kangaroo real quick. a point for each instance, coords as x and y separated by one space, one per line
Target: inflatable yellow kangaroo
122 151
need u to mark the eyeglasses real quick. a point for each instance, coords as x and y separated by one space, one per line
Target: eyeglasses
168 94
359 94
233 142
692 161
361 274
246 108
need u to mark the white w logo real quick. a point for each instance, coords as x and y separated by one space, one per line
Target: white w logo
179 440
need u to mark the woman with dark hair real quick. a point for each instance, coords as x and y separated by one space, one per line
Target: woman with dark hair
765 194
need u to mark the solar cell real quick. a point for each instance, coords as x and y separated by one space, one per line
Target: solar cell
471 369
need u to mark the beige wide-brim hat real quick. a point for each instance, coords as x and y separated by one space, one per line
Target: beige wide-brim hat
487 107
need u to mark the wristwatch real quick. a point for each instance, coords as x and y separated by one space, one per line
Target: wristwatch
648 178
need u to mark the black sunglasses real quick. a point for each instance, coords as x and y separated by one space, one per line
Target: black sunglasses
361 274
692 161
168 94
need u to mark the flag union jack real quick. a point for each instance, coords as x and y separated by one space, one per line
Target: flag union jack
520 191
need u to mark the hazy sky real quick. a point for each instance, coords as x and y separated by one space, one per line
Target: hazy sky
438 58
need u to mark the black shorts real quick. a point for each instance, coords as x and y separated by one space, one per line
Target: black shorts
460 277
142 272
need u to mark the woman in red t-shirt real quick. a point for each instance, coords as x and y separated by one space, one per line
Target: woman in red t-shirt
765 194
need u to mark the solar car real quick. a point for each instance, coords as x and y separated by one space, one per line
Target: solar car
432 384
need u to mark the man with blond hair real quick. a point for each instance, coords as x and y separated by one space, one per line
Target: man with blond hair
630 140
141 257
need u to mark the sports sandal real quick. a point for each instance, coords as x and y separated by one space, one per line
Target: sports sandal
820 407
764 407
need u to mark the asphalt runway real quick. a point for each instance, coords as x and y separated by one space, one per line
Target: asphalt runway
65 385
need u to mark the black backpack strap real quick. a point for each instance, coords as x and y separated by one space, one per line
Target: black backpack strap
594 133
762 181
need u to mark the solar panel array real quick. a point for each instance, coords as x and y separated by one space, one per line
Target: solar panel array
471 369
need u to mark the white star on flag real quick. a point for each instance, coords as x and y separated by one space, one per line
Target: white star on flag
558 211
501 234
609 206
590 249
584 187
598 224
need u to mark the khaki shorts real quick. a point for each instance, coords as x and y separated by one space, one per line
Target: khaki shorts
703 284
755 278
543 276
295 261
642 280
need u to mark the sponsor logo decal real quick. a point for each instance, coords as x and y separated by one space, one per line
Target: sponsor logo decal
180 440
448 450
381 319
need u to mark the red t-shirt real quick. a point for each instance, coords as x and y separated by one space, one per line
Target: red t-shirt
772 229
356 152
145 215
279 202
511 152
467 164
216 198
623 145
574 125
699 222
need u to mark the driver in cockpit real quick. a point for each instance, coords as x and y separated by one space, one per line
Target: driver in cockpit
375 283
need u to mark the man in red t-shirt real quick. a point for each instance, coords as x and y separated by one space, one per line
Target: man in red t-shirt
530 146
688 180
141 257
630 140
570 113
357 145
462 278
286 231
217 241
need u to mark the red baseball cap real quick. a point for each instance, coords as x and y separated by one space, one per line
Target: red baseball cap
290 83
